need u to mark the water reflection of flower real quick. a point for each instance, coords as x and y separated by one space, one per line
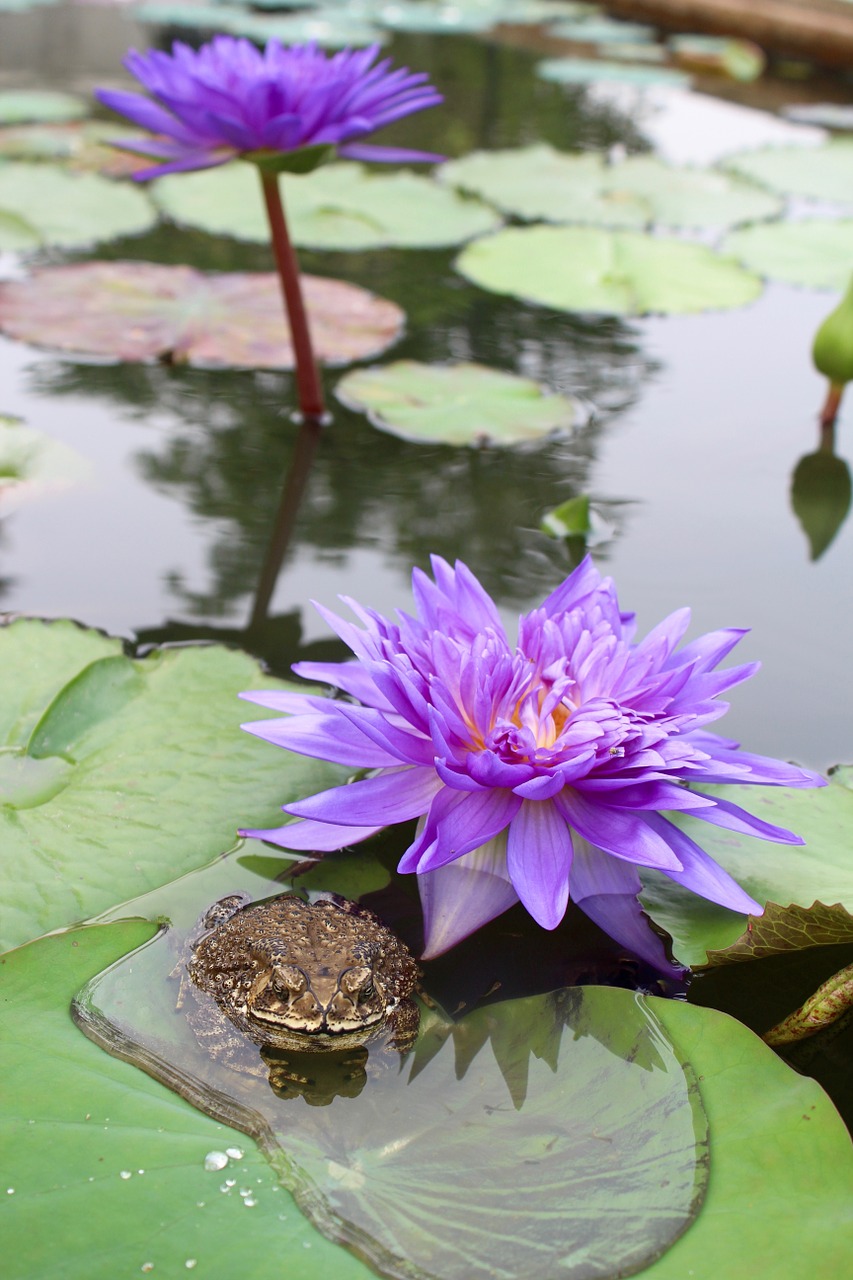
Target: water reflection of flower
536 771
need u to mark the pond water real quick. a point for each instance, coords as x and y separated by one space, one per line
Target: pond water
690 431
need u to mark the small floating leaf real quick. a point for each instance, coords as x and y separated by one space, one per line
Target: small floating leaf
31 463
463 404
144 311
603 31
70 210
339 206
738 59
21 106
617 273
822 173
816 252
588 71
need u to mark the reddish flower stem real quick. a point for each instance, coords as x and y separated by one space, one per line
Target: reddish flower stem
311 403
831 405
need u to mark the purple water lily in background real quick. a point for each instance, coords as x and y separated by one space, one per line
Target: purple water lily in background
538 771
284 108
229 98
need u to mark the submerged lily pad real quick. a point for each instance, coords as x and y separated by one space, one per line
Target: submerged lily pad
339 206
617 273
822 173
20 106
463 404
144 311
589 71
539 182
70 210
815 252
31 463
120 773
776 1140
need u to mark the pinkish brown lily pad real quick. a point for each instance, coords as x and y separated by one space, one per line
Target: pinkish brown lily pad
143 311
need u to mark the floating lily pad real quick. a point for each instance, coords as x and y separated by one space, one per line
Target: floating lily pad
338 206
603 31
82 144
820 870
144 311
31 463
16 234
822 173
69 210
827 115
815 252
617 273
539 182
588 71
24 105
465 404
118 774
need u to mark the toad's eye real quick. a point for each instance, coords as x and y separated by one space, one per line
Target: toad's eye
368 991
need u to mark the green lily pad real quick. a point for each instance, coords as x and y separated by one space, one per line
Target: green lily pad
815 252
70 210
776 1140
31 463
819 870
589 71
20 106
119 773
822 173
145 311
339 206
617 273
16 233
603 31
462 404
539 182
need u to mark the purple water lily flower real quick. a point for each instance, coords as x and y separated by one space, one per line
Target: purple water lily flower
538 771
229 98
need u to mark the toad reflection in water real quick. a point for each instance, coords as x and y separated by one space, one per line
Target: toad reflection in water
311 984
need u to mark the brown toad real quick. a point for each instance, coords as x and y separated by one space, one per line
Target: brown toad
302 976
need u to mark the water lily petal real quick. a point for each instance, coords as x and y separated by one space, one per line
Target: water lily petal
539 858
320 837
392 796
617 831
323 738
700 873
607 891
460 897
